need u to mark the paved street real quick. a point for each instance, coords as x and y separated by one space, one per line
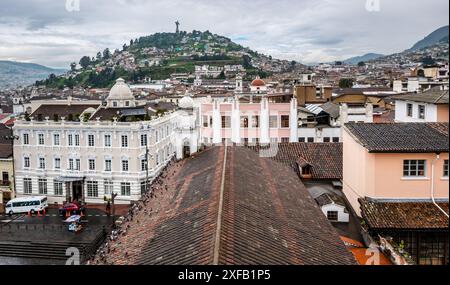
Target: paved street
93 217
44 239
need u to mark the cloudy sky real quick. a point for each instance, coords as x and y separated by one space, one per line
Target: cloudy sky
46 32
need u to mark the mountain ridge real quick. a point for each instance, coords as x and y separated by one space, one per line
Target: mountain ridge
15 73
363 58
433 38
439 35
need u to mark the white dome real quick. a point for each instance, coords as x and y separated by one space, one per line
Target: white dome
120 91
186 102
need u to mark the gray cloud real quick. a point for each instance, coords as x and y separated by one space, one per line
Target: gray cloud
43 31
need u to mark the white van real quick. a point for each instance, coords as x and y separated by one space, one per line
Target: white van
26 204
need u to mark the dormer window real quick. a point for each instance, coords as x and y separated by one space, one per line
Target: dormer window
305 169
115 104
127 103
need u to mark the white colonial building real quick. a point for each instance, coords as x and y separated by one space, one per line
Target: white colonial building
117 148
430 107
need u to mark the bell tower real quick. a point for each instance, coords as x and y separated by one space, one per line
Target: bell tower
239 84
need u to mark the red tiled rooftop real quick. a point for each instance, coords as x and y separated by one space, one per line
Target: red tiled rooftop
325 158
404 215
267 217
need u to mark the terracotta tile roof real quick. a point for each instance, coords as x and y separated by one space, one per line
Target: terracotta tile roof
268 217
184 235
332 109
404 215
106 114
10 122
385 117
329 198
271 219
162 106
432 96
6 149
325 158
401 137
441 128
62 110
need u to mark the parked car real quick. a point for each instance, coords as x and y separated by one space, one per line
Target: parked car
72 208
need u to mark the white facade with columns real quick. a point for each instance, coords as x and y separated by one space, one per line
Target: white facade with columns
237 122
90 160
100 157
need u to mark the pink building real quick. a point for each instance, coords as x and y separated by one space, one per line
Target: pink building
396 179
237 122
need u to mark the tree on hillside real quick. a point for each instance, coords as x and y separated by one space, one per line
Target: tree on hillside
52 76
124 47
361 64
428 60
85 61
99 56
222 75
73 66
70 83
346 83
247 62
106 54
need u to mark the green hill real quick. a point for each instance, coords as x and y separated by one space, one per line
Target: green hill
174 52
